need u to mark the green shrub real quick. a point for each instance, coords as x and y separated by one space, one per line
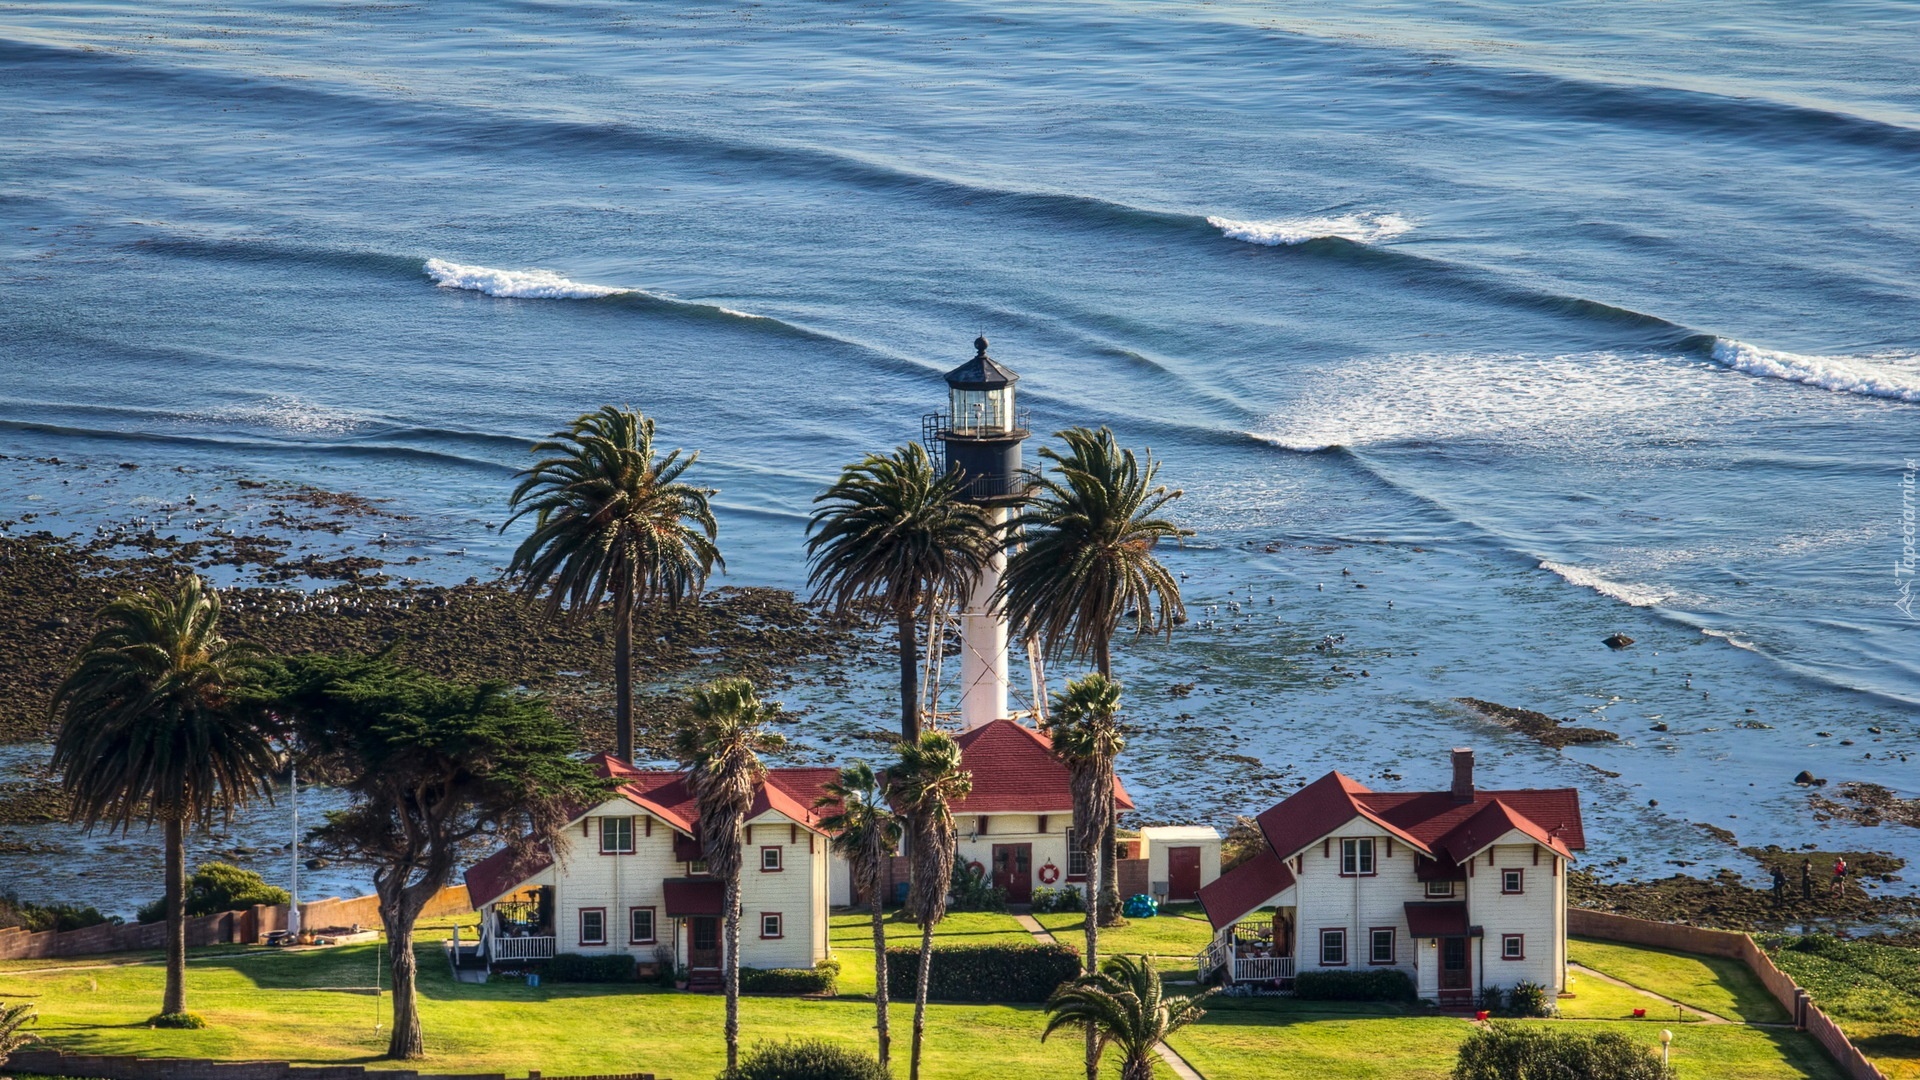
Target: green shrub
1516 1052
810 1059
1530 999
216 887
1065 898
1385 984
34 918
974 891
178 1020
816 980
1852 979
1001 973
580 968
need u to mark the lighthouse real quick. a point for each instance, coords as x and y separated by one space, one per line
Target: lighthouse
979 435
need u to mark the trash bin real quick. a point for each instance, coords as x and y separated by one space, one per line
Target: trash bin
533 978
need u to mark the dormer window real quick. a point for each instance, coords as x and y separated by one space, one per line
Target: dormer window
1356 857
616 836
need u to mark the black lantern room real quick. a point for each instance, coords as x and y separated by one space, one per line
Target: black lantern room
980 431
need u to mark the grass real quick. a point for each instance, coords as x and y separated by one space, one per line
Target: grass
1596 999
1243 1039
1872 990
1722 987
851 936
1179 932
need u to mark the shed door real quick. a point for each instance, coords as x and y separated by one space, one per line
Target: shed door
1183 873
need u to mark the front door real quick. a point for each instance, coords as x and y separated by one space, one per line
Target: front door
1183 873
703 942
1013 871
1456 971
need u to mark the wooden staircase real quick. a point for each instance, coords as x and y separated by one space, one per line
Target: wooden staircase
705 981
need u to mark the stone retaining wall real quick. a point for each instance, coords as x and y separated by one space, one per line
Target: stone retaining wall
103 1067
1733 946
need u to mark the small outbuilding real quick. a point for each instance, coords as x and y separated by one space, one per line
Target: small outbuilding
1181 860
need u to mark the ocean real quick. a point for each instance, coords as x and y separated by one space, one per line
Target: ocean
1543 322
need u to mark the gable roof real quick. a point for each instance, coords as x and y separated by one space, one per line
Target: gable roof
495 876
1015 772
1309 814
1230 897
1492 821
1433 823
1432 815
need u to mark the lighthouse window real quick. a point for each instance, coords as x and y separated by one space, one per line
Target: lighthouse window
982 410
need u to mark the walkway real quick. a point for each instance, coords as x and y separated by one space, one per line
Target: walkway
1168 1054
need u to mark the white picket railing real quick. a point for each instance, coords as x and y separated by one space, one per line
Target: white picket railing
1262 968
523 948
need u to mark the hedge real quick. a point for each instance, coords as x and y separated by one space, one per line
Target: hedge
580 968
811 1059
1386 984
999 973
819 980
1503 1052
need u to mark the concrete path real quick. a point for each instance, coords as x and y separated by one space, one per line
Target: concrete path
1168 1055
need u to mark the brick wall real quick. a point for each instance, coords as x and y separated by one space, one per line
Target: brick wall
1733 946
55 1063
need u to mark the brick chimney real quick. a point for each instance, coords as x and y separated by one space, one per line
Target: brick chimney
1463 774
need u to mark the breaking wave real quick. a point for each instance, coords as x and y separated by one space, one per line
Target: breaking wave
1844 374
520 284
1363 228
1632 595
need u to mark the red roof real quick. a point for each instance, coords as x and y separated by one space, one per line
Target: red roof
1434 823
495 876
1015 772
695 896
1448 919
1228 898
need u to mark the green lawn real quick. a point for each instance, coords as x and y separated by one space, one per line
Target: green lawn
1871 989
1722 987
1262 1038
1596 999
1178 933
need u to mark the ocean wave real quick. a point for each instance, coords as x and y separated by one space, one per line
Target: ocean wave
519 284
1361 228
1844 374
1630 594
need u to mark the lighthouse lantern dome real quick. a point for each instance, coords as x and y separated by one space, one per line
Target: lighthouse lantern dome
980 395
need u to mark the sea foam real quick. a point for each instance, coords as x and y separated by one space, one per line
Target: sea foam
1632 595
522 284
1362 228
1845 374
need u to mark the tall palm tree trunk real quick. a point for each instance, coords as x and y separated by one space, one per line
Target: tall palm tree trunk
920 996
880 969
1094 865
909 676
623 673
176 841
733 971
1109 878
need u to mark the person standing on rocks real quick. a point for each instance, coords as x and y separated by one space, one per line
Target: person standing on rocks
1779 886
1839 875
1806 879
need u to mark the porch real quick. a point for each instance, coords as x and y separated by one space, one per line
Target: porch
1254 952
514 929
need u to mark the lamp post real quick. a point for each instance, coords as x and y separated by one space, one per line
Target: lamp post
293 897
1666 1044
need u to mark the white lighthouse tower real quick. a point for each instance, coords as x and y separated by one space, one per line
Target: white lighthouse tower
980 433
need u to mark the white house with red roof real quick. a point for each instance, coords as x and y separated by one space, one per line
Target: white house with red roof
632 880
1462 889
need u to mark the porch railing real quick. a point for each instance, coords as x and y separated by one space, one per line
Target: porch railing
1262 968
523 948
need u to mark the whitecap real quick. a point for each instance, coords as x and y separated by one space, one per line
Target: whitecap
1844 374
1361 228
1625 592
520 284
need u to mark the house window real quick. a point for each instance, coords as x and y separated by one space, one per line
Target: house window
1380 945
1076 858
1511 881
770 924
1356 857
642 925
593 926
1333 948
1513 946
769 859
1439 890
616 835
697 866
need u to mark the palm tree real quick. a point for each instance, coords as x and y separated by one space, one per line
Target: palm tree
891 530
1082 559
148 732
1085 730
721 747
925 783
14 1021
611 519
866 833
1123 1006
